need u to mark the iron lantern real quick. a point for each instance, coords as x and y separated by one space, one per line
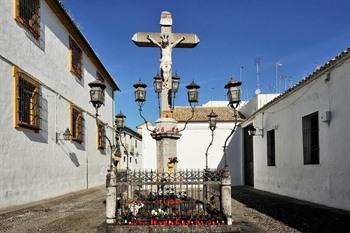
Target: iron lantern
212 120
67 135
157 84
97 94
252 131
175 83
140 92
192 92
119 120
233 91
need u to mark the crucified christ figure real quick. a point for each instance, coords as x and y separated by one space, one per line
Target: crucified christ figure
165 55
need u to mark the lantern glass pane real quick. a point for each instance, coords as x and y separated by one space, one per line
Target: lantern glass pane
193 96
140 95
175 85
97 96
157 85
120 122
233 95
212 123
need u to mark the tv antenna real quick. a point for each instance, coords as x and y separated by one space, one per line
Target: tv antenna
257 64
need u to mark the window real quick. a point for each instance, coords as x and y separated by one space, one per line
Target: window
130 159
124 158
135 143
75 63
101 132
310 139
26 100
26 12
76 123
271 148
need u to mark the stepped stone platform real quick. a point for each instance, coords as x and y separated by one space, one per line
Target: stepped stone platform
235 228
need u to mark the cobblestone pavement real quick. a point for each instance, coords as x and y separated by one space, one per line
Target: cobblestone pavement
76 212
253 211
275 213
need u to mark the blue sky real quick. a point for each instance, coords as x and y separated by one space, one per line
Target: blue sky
301 34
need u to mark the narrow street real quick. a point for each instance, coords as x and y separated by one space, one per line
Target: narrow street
253 211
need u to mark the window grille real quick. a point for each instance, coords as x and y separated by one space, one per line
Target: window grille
101 132
311 139
75 58
27 12
26 101
76 126
271 148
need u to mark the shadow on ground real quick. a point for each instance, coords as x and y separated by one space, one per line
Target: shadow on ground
300 215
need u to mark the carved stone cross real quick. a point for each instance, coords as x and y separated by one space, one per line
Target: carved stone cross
166 40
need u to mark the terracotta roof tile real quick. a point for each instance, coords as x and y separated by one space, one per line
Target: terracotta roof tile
181 114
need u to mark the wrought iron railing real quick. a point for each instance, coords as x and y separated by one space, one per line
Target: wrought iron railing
159 198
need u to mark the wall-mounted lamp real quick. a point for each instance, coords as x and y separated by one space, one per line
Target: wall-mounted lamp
66 135
255 131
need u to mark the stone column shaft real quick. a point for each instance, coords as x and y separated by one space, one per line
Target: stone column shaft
111 199
226 195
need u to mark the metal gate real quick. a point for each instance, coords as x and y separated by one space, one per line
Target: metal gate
185 197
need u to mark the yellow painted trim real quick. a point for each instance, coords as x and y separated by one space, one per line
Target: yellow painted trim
15 96
15 9
100 146
97 135
16 122
71 123
70 108
70 60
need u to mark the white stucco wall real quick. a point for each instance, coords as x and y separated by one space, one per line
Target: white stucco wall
191 148
33 166
148 148
134 151
194 141
324 183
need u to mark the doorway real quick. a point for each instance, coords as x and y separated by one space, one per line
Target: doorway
248 157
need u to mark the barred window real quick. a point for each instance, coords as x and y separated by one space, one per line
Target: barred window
76 123
101 132
27 13
75 58
311 139
26 100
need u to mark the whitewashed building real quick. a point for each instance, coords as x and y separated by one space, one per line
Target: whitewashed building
45 67
131 150
301 145
192 145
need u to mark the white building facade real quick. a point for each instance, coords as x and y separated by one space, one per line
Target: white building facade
192 145
132 156
45 67
301 145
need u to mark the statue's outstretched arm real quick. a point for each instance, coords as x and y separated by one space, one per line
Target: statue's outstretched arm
153 41
177 42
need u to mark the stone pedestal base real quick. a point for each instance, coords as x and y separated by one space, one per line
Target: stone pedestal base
226 195
165 135
111 199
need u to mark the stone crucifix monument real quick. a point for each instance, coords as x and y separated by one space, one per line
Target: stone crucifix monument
165 133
